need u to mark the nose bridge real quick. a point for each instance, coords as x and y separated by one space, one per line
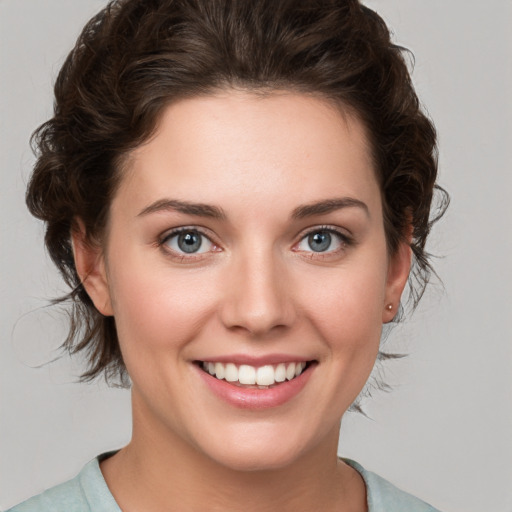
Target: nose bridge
257 296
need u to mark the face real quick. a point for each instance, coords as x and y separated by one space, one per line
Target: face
246 241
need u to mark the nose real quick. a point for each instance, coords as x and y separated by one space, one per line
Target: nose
257 295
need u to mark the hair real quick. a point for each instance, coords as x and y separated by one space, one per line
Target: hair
136 56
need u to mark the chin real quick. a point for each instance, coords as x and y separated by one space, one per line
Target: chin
257 460
265 450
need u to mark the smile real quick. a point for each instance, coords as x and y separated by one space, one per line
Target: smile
270 382
261 377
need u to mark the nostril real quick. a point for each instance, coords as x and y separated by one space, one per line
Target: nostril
257 302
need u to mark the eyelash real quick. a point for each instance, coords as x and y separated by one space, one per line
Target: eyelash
344 239
163 240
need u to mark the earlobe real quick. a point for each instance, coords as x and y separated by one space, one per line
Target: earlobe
398 274
90 266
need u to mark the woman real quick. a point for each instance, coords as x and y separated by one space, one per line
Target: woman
235 192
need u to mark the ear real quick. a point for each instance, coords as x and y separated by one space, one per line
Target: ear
398 273
90 266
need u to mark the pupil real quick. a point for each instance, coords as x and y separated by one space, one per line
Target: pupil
320 241
189 242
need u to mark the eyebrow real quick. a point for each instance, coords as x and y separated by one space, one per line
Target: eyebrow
328 206
198 209
215 212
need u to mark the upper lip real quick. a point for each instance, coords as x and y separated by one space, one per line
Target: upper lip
256 361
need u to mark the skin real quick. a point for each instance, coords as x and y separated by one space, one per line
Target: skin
257 289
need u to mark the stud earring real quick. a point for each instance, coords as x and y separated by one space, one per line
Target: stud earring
389 307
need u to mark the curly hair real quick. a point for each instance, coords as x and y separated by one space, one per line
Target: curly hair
136 56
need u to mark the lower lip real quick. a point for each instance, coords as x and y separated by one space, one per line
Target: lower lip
255 398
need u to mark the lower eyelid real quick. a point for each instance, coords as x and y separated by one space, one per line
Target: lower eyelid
164 242
343 239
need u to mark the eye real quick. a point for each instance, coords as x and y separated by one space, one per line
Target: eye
188 241
322 240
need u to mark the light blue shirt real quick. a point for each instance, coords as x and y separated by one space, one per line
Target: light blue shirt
88 492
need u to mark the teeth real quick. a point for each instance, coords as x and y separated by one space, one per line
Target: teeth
231 373
247 374
298 368
265 376
280 373
220 371
262 376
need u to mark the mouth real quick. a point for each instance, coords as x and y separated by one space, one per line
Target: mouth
256 377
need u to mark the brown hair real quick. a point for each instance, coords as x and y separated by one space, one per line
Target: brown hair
135 56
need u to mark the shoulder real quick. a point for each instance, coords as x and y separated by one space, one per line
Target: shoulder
67 496
87 492
383 496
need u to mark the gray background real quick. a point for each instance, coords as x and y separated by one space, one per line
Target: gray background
445 433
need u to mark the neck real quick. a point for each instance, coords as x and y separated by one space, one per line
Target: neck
159 470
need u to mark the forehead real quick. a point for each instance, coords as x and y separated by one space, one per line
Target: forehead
236 144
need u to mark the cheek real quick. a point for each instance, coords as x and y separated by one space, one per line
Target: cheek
347 301
157 309
346 309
